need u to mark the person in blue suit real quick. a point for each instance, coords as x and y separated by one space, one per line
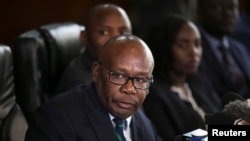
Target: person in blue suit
225 61
242 30
121 78
180 96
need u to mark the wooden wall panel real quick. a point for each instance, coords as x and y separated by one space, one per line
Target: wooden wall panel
17 16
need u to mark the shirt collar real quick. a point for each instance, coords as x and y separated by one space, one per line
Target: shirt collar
128 120
214 42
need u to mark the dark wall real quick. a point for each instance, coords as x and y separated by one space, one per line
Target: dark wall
17 16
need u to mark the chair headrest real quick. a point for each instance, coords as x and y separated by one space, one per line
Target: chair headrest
7 96
63 34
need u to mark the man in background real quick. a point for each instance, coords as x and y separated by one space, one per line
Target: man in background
225 61
103 22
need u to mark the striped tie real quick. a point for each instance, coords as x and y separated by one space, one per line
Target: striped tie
120 124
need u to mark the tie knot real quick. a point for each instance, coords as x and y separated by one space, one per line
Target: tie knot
119 122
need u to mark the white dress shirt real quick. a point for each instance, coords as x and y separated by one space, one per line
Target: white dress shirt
126 130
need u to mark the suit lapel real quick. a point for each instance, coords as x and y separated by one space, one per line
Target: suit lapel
136 129
102 126
213 63
99 118
240 58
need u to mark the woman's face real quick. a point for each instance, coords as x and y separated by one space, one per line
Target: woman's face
187 50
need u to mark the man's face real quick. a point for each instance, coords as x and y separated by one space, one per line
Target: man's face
105 25
122 100
220 15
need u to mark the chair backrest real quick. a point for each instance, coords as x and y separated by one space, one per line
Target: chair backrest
40 56
13 124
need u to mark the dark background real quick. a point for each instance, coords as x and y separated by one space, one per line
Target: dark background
18 16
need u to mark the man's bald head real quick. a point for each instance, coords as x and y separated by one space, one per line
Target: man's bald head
123 74
125 47
102 23
101 11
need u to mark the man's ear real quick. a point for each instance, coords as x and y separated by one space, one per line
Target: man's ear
83 37
95 71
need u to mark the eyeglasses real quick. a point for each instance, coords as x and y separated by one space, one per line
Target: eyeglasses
121 79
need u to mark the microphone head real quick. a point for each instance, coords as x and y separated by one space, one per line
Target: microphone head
194 135
231 96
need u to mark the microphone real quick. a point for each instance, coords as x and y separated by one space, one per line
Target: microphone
230 113
194 135
231 96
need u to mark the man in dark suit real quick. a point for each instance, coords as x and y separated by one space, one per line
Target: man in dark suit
242 30
121 78
225 61
101 23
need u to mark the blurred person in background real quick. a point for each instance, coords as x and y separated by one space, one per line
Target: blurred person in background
102 22
145 13
242 30
225 61
179 97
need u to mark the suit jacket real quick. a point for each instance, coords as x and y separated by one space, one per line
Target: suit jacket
242 30
212 69
173 116
77 72
78 115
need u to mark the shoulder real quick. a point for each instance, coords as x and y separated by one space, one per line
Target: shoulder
68 100
144 126
238 47
139 118
235 42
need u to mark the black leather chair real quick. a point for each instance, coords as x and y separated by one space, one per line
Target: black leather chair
13 124
40 56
